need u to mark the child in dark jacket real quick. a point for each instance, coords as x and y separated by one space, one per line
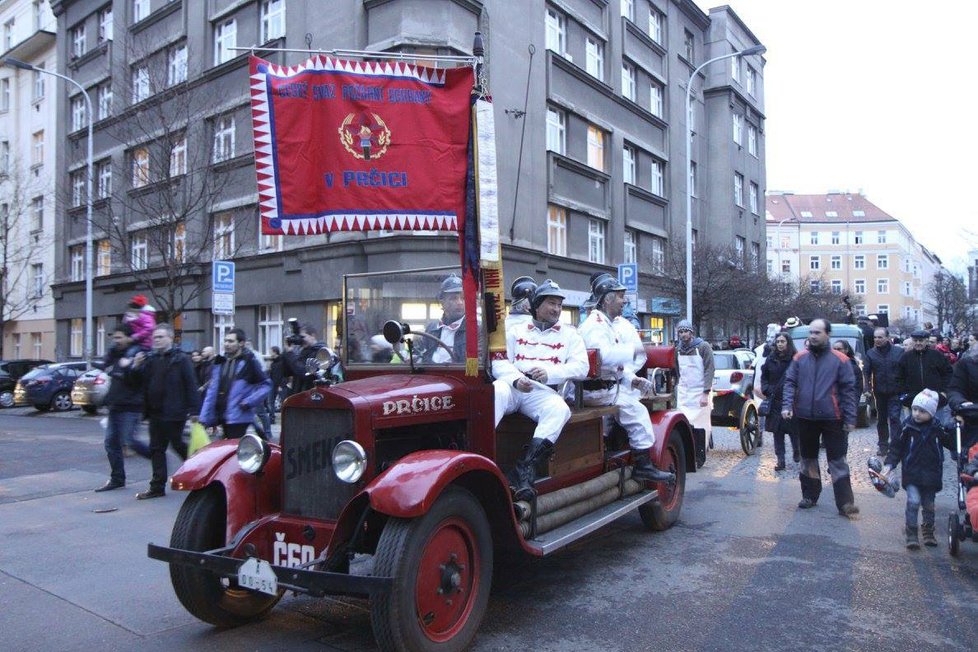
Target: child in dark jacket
919 448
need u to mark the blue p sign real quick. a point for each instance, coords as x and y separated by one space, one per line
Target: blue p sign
222 276
628 276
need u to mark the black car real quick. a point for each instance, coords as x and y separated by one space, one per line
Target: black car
10 372
49 387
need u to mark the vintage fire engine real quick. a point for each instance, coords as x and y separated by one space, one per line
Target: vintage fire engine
392 484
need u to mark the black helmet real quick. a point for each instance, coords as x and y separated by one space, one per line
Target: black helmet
546 289
604 284
451 284
523 288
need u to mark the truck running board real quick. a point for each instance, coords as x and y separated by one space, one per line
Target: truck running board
568 533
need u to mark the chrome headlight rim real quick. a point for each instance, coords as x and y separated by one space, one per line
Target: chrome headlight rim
253 453
349 461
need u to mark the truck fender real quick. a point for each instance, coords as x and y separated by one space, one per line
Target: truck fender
663 423
248 496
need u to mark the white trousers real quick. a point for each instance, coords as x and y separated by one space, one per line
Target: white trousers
545 407
632 415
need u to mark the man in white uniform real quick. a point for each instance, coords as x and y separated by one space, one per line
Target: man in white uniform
541 354
622 354
694 365
521 292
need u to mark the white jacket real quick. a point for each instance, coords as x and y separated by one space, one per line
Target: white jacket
622 351
559 351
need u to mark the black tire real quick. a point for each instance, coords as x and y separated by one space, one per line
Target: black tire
953 534
663 513
749 429
447 549
200 526
6 399
90 409
61 401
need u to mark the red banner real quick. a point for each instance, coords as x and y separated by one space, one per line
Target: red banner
357 146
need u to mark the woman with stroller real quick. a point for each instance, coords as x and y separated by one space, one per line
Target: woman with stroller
772 385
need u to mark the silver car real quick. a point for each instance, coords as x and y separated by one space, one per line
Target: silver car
90 389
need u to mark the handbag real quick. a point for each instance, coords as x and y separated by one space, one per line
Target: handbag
198 438
764 407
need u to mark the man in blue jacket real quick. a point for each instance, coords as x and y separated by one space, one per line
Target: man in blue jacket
238 386
820 389
881 369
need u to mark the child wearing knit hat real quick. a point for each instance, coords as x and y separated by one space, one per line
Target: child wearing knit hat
142 318
919 447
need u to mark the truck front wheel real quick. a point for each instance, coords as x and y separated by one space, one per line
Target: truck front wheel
216 600
661 514
442 568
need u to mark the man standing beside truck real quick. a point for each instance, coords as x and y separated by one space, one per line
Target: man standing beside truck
695 368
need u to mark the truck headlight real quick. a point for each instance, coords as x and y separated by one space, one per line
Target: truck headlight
253 453
349 461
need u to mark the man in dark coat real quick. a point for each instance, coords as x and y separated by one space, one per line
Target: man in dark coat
295 358
450 331
171 397
922 368
880 369
962 392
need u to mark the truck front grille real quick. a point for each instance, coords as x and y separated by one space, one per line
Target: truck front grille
308 437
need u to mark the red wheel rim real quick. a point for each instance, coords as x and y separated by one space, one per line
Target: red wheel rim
448 580
669 493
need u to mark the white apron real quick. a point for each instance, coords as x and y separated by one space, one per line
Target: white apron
690 391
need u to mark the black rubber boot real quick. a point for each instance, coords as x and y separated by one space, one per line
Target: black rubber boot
912 543
645 471
699 441
780 464
526 468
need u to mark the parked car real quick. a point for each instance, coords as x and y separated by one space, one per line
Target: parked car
854 336
90 389
733 397
10 372
48 387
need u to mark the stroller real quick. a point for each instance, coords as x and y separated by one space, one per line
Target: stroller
959 530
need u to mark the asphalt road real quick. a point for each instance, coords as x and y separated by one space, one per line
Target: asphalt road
743 569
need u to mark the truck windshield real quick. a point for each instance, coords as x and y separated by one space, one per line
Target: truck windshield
428 301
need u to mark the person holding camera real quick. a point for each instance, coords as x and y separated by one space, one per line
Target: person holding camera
305 344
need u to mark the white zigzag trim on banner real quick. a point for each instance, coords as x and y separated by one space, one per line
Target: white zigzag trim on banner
434 76
360 222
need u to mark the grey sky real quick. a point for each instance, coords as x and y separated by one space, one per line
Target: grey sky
878 96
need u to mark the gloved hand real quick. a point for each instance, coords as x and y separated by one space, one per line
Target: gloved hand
643 385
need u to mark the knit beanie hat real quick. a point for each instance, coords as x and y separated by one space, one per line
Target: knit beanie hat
137 302
926 401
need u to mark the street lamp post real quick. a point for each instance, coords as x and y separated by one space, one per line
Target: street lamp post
89 272
757 49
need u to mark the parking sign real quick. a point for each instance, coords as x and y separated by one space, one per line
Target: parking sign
222 276
628 276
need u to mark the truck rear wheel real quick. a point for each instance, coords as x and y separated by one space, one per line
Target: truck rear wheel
216 600
442 568
749 429
663 513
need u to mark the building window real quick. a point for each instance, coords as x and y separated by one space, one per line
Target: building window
178 157
859 286
630 254
176 69
689 46
594 57
770 266
628 81
738 128
755 255
36 341
658 178
77 255
815 262
835 237
17 353
755 192
140 9
858 213
831 214
881 237
105 24
222 324
751 81
37 148
77 179
100 336
655 25
104 94
556 38
178 243
752 140
814 286
785 266
103 265
836 262
628 164
5 94
37 214
882 309
740 244
77 37
882 286
556 230
806 213
813 237
655 99
140 167
139 248
735 69
556 134
836 286
738 189
140 84
8 34
78 113
272 20
225 38
37 280
859 262
269 328
628 9
882 261
272 242
858 237
223 139
75 346
595 241
223 236
4 156
38 83
658 255
103 173
595 148
692 178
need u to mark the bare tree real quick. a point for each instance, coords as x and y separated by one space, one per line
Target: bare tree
947 296
719 280
23 243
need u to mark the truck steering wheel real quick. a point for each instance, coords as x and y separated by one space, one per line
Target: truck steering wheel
448 349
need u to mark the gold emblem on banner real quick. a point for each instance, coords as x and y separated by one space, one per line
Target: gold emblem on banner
366 135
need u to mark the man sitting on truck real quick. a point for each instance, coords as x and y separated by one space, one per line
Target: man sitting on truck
450 330
622 354
541 354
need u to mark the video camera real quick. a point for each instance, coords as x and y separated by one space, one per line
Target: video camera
294 338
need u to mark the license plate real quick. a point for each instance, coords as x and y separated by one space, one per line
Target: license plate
257 574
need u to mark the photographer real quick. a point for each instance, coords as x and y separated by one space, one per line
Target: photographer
303 344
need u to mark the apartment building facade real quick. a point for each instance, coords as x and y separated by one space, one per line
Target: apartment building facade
27 180
844 243
590 126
